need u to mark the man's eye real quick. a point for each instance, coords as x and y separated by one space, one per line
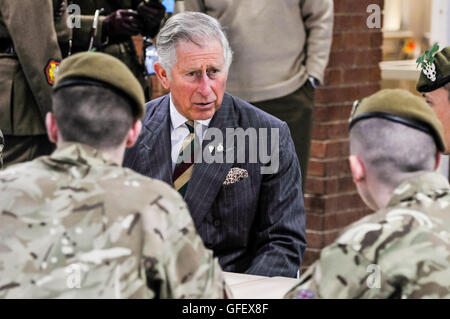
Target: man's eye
213 72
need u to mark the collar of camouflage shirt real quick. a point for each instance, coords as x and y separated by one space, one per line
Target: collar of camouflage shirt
429 184
80 155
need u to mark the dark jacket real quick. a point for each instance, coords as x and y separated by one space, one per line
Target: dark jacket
256 225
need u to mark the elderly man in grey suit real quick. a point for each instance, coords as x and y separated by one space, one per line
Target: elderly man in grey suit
234 164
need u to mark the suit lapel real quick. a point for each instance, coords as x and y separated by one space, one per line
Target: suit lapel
156 146
207 179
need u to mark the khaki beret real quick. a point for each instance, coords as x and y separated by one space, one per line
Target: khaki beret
95 68
403 107
436 74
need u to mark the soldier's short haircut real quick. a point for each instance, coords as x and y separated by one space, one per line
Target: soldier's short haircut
392 151
194 27
92 115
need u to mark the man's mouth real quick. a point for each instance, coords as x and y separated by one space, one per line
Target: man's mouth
204 105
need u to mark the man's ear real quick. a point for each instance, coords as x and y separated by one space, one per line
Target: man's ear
438 160
52 127
133 133
357 168
162 75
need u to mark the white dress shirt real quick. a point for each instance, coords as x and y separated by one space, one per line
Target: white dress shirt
179 131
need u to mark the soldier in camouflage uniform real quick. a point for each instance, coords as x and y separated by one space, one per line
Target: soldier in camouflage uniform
34 38
434 84
119 20
403 249
77 225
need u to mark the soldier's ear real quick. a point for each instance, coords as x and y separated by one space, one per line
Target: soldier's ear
52 127
162 75
133 133
438 160
357 168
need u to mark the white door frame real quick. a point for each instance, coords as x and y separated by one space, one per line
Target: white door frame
440 22
439 33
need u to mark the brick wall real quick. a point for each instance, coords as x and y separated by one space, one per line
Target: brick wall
331 200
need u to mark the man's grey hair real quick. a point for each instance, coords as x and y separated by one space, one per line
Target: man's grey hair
92 115
194 27
393 152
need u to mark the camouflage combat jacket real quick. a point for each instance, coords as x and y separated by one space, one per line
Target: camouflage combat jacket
75 225
402 251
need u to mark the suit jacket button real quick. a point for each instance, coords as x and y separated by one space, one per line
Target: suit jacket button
217 222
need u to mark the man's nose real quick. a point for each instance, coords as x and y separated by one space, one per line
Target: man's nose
204 87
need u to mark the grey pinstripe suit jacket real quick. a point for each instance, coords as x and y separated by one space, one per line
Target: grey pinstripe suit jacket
254 226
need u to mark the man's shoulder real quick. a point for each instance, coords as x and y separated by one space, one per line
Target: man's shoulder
153 105
146 183
37 177
154 191
32 171
252 114
394 228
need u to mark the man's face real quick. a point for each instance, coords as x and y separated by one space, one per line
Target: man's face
439 102
198 79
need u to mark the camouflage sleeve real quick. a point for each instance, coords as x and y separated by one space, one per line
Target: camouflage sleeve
175 260
341 272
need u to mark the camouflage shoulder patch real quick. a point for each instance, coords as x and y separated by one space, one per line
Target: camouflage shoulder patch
50 70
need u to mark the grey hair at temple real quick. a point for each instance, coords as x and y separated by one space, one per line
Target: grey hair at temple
194 27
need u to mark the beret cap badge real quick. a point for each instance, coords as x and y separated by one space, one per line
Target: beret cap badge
426 62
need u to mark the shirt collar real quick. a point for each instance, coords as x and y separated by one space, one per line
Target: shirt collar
177 119
429 184
77 154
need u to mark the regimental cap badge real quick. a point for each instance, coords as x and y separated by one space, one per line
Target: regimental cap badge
426 62
354 108
50 71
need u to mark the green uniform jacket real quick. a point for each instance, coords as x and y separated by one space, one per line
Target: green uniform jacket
25 76
402 251
124 51
76 225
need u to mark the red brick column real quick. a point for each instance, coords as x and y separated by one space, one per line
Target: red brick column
331 200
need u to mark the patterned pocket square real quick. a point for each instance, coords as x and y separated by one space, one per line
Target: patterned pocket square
235 175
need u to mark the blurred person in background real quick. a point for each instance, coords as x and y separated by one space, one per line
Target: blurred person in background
34 38
118 21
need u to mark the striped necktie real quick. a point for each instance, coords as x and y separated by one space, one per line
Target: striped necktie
185 162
